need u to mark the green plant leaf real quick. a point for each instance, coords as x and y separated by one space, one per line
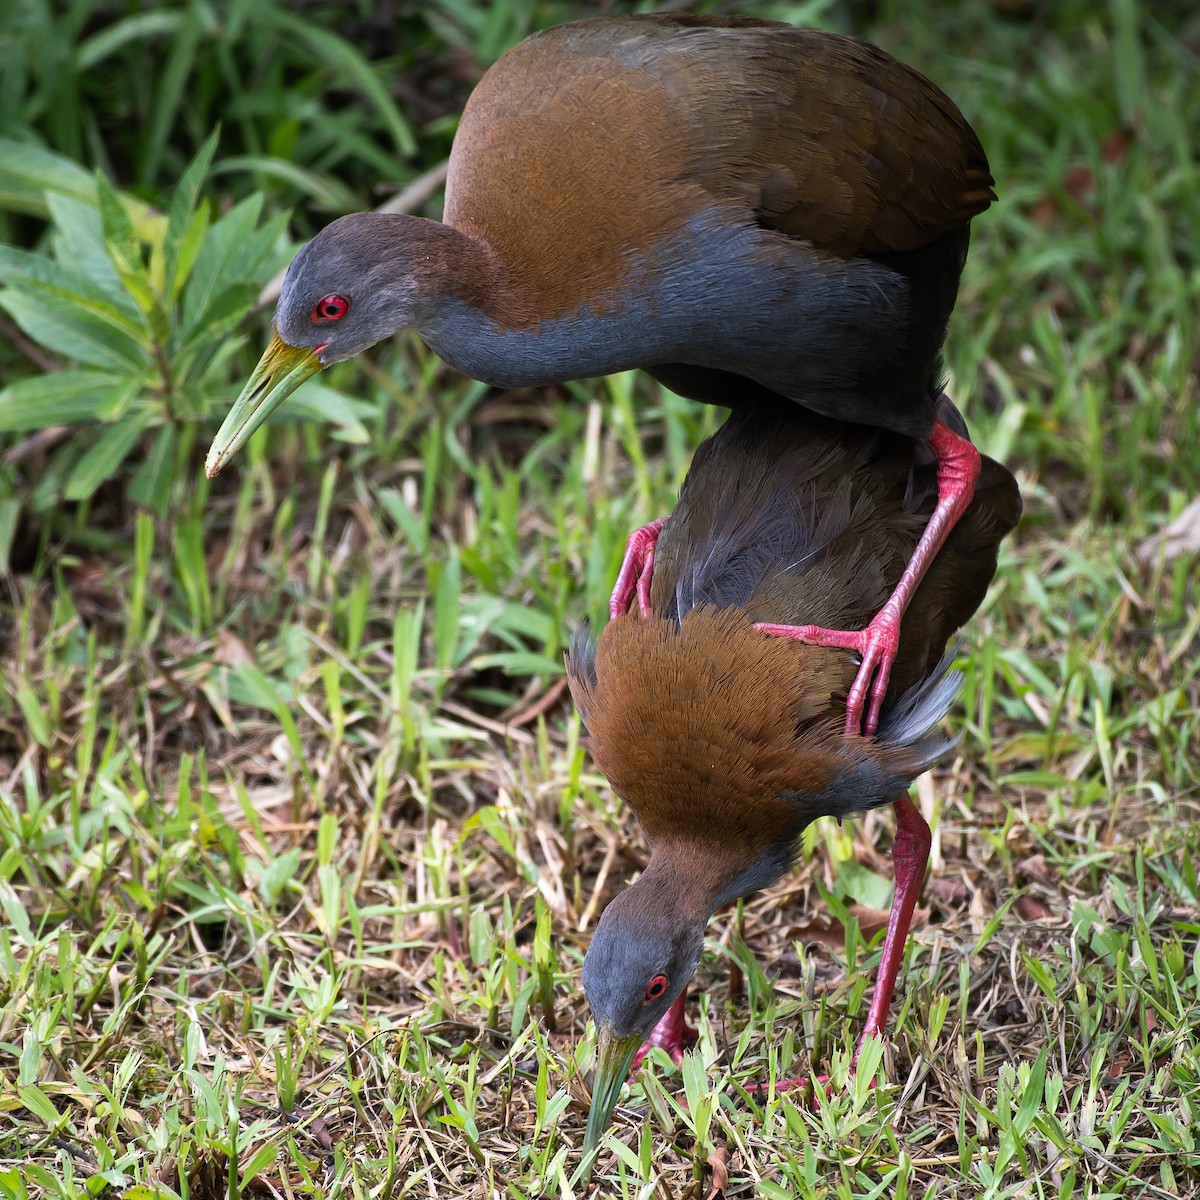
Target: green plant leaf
28 172
151 483
59 398
123 246
29 273
327 193
341 56
79 241
316 401
139 27
104 457
169 88
185 224
220 265
72 331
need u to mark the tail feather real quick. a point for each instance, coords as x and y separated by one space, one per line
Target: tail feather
910 723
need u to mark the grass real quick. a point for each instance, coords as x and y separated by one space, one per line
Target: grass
299 850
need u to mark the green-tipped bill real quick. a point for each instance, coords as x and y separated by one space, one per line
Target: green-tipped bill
280 371
613 1056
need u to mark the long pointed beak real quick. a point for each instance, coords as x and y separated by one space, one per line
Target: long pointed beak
280 371
613 1056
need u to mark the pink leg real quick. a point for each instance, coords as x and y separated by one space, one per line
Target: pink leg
672 1033
910 854
958 469
637 570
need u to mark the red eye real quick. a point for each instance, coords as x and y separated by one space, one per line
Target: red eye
330 308
656 987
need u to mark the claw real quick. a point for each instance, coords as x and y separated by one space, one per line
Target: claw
637 571
877 645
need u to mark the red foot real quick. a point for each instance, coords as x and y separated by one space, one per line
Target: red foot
672 1033
637 571
877 646
958 469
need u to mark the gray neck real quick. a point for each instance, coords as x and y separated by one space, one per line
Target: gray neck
719 295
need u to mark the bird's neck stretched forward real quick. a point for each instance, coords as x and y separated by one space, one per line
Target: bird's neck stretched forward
677 300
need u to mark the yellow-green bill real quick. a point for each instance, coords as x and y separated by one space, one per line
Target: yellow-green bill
280 371
613 1056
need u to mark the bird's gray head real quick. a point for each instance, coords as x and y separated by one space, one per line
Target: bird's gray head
353 285
642 955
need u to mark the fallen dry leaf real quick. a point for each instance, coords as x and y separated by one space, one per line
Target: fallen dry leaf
1115 145
823 928
1181 537
953 895
1079 182
1030 908
1033 867
870 920
716 1160
231 650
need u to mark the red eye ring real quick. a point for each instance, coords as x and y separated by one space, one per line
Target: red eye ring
656 987
330 308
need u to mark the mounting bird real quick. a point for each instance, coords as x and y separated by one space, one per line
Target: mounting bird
699 196
725 735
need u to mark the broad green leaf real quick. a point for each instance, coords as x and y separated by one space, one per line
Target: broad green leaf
226 312
115 221
864 885
219 265
116 401
79 241
27 272
262 245
123 246
151 483
189 250
317 402
38 1103
67 329
28 172
60 398
105 457
186 225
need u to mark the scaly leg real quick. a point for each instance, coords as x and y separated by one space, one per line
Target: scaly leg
958 469
637 570
910 855
672 1033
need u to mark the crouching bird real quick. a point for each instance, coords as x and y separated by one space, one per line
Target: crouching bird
699 196
725 738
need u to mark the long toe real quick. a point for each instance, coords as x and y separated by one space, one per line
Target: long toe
637 570
877 645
